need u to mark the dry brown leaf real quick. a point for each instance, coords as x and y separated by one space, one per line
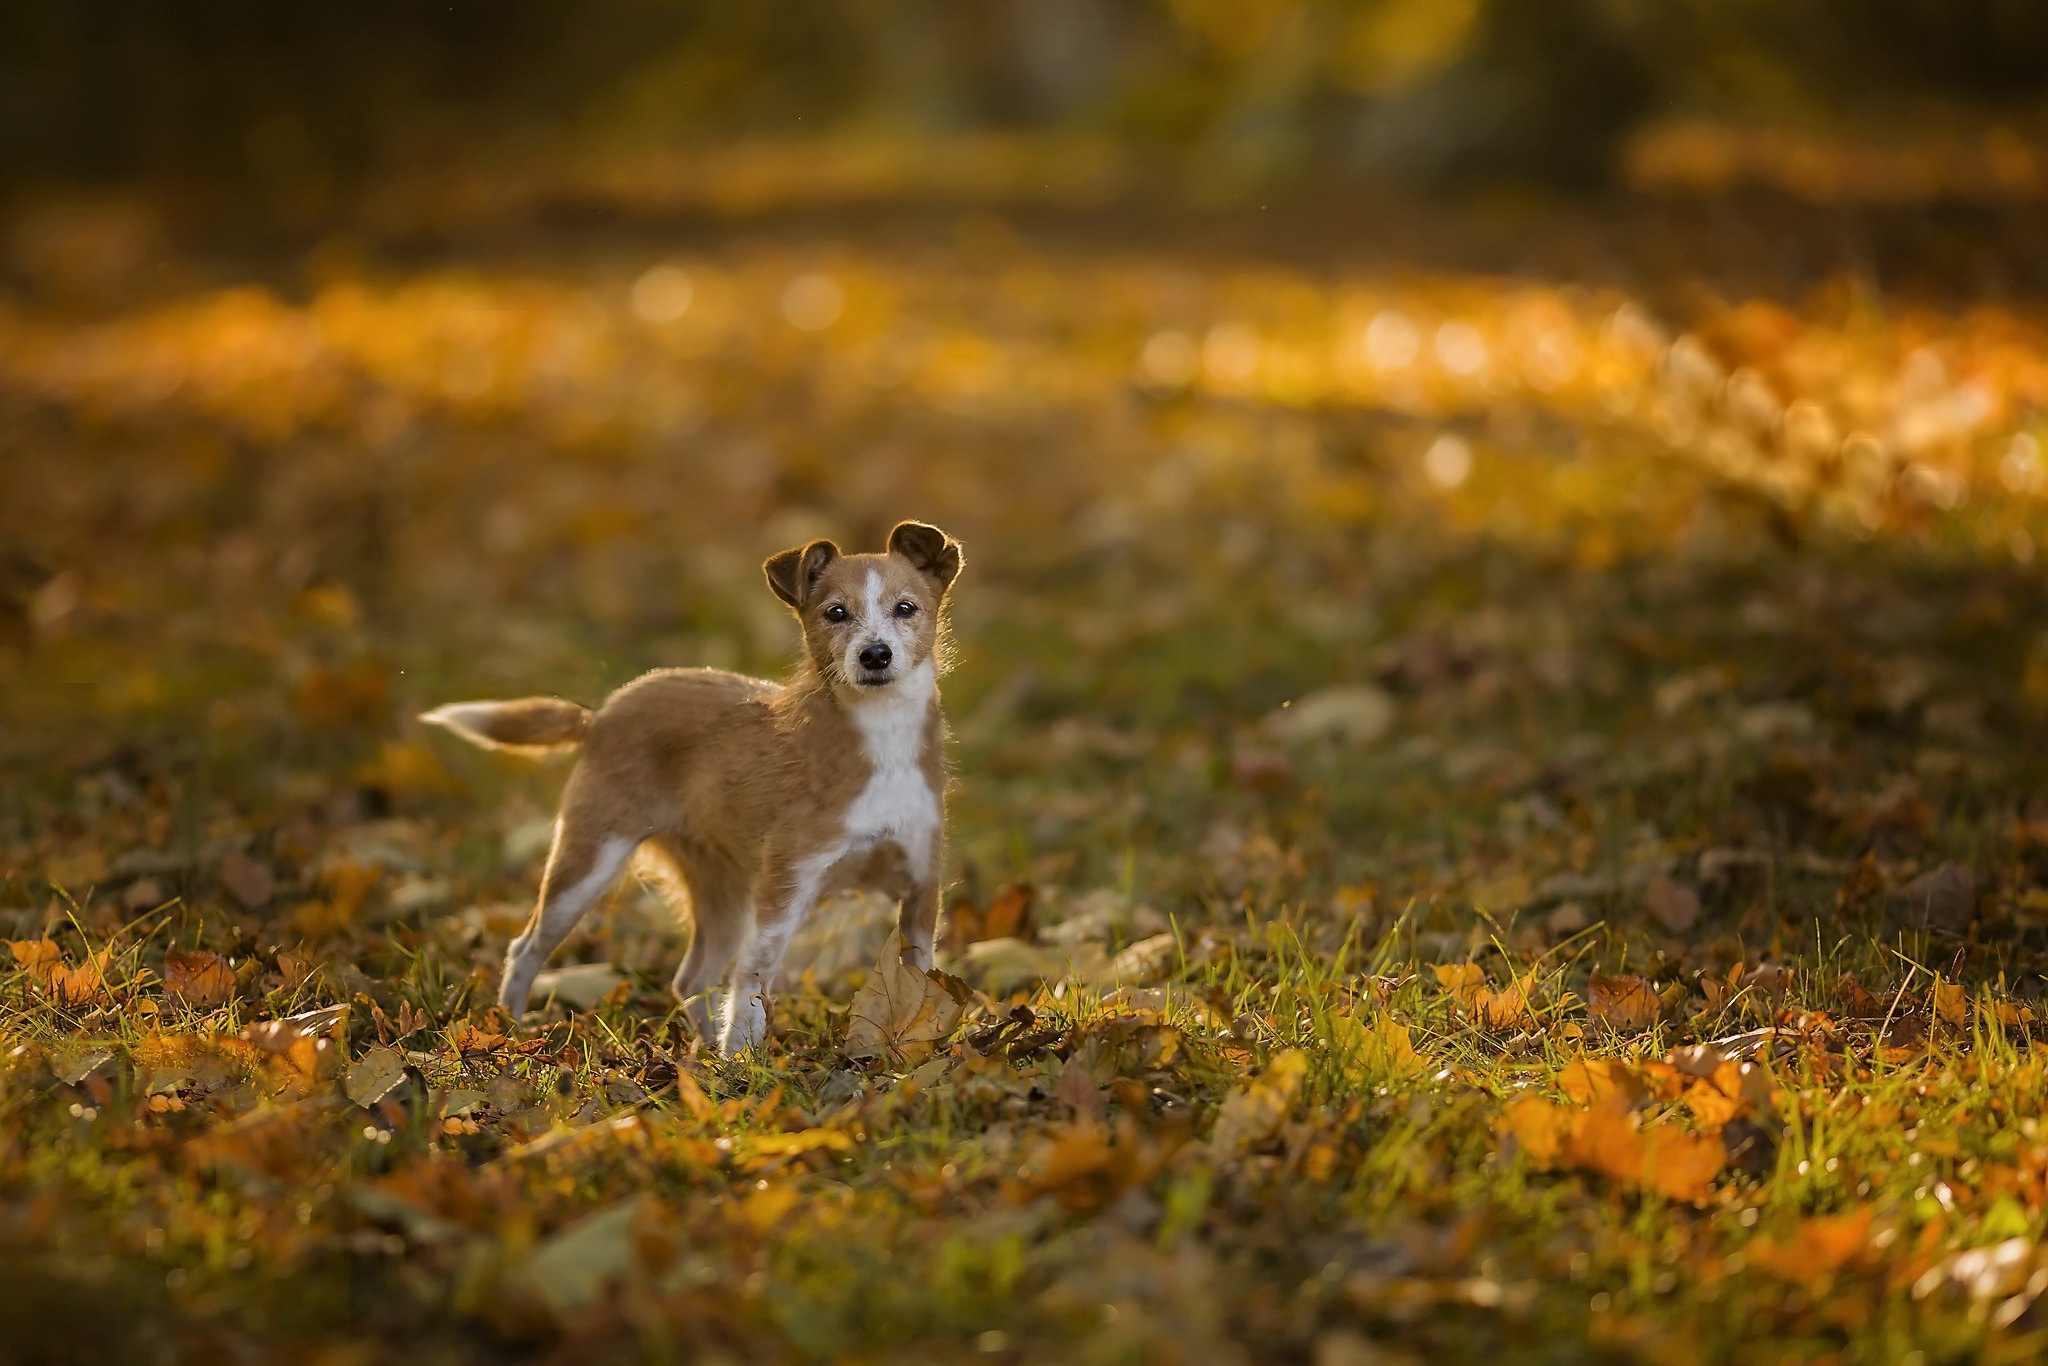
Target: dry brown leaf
85 985
199 978
1008 915
1254 1114
375 1075
1622 1004
248 881
1951 1002
900 1014
1076 1090
1671 904
1148 960
278 1036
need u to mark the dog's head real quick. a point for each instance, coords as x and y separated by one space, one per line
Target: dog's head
871 622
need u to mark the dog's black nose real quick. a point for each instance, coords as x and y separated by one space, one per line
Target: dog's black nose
875 657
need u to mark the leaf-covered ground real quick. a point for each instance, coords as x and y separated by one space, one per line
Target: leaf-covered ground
1495 805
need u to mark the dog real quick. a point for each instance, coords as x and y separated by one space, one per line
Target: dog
752 798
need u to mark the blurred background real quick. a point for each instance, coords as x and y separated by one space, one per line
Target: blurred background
1476 367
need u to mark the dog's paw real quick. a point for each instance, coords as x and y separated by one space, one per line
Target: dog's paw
746 1022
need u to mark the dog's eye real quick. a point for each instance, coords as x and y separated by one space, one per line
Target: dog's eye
835 612
906 608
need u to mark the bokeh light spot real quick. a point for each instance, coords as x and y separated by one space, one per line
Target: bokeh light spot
663 294
1460 348
1448 461
813 302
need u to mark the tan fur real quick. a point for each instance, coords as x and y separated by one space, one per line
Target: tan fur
755 796
529 724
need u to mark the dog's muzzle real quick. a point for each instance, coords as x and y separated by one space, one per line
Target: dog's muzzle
874 664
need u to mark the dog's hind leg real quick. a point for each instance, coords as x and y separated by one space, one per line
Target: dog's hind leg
716 893
583 865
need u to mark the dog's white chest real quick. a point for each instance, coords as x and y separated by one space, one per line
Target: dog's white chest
897 805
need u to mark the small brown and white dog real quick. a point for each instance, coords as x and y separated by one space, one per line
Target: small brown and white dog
754 798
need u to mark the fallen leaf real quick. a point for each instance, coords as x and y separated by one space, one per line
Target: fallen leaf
1539 1128
41 957
901 1014
1379 1049
248 881
572 1268
1007 916
1350 713
198 978
1943 899
1951 1002
1001 966
1622 1004
1254 1114
1598 1081
375 1075
1817 1248
579 986
1146 961
1673 905
81 985
1609 1140
1664 1159
278 1036
1076 1090
1462 980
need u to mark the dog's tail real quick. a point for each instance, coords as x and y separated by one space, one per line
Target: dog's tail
530 725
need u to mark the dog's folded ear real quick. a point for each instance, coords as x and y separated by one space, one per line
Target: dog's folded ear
928 548
794 573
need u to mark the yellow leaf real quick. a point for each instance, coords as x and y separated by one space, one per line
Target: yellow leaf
802 1141
41 957
1951 1002
1462 980
1254 1114
763 1209
1380 1049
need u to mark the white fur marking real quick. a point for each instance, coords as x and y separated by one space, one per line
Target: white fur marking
897 804
467 717
561 912
746 1005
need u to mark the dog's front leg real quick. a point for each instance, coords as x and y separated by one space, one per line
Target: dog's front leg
786 893
918 921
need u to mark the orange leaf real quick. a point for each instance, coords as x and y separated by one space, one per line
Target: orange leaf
1674 1164
41 957
1463 980
1539 1128
81 985
1624 1004
1951 1002
202 979
1592 1081
1819 1247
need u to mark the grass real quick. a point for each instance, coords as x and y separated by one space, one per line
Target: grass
1641 752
